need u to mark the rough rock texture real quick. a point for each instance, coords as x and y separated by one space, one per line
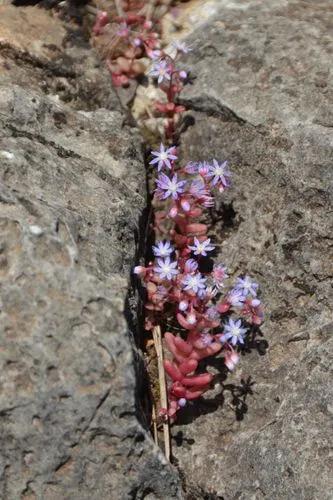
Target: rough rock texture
72 193
261 98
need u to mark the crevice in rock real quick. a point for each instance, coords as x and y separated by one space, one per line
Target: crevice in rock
212 107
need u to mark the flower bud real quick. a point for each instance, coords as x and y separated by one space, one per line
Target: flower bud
183 305
191 319
147 25
182 402
190 266
185 205
173 212
231 359
139 270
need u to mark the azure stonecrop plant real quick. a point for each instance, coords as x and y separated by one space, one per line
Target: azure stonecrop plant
204 316
199 313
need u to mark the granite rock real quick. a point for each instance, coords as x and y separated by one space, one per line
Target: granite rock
72 196
260 98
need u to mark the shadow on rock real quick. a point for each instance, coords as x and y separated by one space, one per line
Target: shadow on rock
239 392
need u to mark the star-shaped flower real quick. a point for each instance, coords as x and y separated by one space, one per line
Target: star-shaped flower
236 298
201 247
220 173
246 286
161 70
181 47
219 274
234 332
194 282
166 269
163 157
163 249
169 187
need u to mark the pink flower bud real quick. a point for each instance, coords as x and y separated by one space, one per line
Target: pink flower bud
185 205
183 75
191 319
190 266
147 25
204 169
183 305
173 212
255 302
182 402
139 270
137 42
231 359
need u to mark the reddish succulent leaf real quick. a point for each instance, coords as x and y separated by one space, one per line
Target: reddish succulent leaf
173 371
198 380
183 346
188 366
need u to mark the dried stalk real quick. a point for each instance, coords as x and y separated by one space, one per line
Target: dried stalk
119 7
163 391
155 424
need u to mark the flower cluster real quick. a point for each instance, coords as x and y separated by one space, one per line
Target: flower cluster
205 315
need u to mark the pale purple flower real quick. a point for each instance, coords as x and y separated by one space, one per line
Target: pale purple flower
169 187
212 313
191 266
201 247
234 332
163 249
191 168
161 70
198 188
206 339
137 42
194 282
181 47
202 293
162 291
246 286
219 274
236 298
220 173
166 269
154 54
163 157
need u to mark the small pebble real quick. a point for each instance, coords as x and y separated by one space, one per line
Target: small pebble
36 230
7 154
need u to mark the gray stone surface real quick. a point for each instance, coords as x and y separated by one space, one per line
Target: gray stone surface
72 193
261 99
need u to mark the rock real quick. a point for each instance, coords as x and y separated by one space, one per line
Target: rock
47 57
72 195
261 99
